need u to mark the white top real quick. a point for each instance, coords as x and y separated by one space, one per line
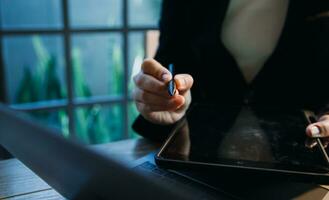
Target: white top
251 30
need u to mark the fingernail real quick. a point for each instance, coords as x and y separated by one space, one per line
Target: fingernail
165 77
315 131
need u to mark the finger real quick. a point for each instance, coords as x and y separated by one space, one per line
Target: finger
145 97
183 82
324 118
155 69
151 84
318 129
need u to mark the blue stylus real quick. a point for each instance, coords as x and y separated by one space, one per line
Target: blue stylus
171 84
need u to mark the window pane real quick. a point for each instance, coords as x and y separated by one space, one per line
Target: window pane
99 13
99 124
135 56
144 12
34 68
54 118
132 114
97 64
20 14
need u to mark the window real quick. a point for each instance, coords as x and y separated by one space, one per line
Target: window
69 62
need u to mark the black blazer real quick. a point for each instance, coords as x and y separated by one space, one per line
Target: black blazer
295 76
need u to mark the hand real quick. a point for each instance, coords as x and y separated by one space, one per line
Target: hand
319 129
151 94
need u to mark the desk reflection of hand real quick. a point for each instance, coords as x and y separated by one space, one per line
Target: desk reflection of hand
182 144
318 129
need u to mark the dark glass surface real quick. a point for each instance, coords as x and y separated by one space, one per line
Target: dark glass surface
246 137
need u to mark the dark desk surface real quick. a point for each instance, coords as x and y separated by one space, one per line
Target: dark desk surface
18 182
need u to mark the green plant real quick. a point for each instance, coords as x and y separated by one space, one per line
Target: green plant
97 124
94 124
42 85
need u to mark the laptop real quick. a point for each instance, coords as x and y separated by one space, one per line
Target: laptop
78 172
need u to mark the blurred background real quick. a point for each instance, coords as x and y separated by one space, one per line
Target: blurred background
69 63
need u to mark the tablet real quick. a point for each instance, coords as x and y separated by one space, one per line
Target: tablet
243 138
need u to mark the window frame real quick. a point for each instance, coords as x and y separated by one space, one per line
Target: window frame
71 102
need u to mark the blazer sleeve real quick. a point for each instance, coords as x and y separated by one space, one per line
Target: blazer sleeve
151 131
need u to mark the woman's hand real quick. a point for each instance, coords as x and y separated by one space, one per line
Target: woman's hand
151 93
319 129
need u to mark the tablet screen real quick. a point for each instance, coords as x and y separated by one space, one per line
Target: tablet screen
244 136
